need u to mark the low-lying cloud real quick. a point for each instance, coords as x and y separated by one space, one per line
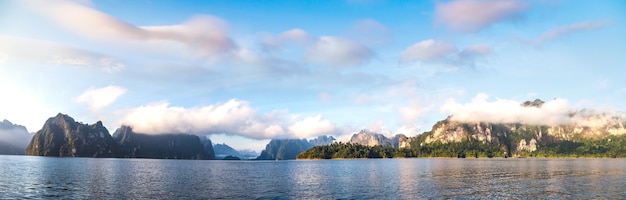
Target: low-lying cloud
235 117
13 134
552 112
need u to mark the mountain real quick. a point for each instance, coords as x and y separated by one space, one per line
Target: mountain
13 138
284 149
322 140
585 133
208 147
223 150
520 139
401 141
369 138
162 146
62 136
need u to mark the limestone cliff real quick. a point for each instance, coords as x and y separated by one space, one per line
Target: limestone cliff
515 138
64 137
368 138
162 146
284 149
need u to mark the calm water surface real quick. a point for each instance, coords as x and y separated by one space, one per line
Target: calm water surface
26 177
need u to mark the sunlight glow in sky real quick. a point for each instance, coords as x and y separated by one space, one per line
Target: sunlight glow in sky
244 72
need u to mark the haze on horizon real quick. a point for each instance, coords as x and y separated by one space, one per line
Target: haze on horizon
244 72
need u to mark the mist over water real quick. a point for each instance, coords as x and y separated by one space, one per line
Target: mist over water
25 177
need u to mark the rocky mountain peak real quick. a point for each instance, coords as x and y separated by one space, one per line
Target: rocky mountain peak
369 138
63 136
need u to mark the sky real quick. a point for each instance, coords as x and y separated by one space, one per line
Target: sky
244 72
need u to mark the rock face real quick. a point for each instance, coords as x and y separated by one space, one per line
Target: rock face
223 150
13 138
368 138
401 141
62 136
208 147
284 149
322 140
162 146
516 138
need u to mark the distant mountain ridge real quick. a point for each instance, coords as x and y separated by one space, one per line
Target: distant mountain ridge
161 146
13 138
61 136
223 150
288 149
369 138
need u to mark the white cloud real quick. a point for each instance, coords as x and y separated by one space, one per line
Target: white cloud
312 126
325 96
428 50
479 109
54 53
336 51
290 37
412 111
234 117
561 31
203 35
475 15
99 98
552 112
442 52
371 32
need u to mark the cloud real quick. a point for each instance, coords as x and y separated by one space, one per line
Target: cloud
235 117
322 50
325 96
475 15
428 50
99 98
312 126
54 53
561 31
371 32
203 35
553 112
291 37
336 51
412 111
14 134
433 51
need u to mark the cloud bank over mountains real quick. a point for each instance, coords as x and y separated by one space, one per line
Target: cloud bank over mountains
235 117
552 112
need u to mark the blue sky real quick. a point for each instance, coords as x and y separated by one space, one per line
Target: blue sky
244 72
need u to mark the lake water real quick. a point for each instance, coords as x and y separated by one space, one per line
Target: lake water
26 177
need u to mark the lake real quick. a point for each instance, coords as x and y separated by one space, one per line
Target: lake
26 177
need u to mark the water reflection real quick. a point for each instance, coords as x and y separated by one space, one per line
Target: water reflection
24 177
